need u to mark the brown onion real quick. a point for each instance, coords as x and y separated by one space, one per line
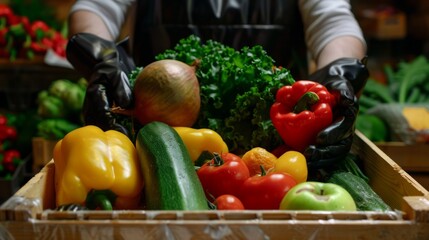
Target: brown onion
167 91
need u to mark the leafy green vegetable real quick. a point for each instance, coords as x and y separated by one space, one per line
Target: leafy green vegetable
71 93
373 127
237 90
378 91
407 83
133 76
36 10
409 75
26 124
50 106
59 108
55 129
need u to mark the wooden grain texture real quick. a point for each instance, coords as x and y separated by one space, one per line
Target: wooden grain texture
40 189
412 158
32 219
217 230
387 178
42 152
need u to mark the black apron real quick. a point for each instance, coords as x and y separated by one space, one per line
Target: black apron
274 24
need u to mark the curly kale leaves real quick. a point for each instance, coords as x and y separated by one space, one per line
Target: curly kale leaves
133 76
237 90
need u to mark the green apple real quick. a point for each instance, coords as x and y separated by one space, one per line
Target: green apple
318 196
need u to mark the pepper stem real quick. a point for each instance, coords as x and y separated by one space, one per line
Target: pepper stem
102 199
305 102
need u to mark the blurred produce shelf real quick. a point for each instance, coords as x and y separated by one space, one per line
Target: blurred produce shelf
21 80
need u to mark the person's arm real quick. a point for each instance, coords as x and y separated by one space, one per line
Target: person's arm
345 46
103 18
88 22
336 44
93 52
331 31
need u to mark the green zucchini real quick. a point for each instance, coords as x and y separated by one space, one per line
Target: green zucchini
171 182
365 197
350 164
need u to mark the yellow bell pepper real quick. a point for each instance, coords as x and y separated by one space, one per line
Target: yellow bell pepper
198 141
89 160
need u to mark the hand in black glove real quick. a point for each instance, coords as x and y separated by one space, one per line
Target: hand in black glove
345 78
106 66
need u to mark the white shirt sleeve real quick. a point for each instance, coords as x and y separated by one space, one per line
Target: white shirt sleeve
112 12
326 20
323 20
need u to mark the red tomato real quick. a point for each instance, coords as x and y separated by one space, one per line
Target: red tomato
228 202
266 191
224 174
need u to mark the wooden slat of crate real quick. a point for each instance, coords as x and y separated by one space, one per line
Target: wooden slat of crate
387 177
409 220
412 158
42 152
219 229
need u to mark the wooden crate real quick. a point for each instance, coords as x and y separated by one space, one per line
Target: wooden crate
10 186
412 158
382 26
26 215
42 152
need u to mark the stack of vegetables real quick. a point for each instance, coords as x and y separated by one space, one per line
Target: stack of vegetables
10 156
59 108
397 110
21 38
237 90
182 168
216 156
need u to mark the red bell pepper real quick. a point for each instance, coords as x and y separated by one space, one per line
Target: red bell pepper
39 30
3 120
38 48
20 38
265 191
224 174
3 37
59 44
6 12
11 159
301 111
7 132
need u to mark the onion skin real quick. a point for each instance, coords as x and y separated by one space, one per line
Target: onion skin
167 91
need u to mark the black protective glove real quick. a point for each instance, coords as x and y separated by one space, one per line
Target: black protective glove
345 78
106 66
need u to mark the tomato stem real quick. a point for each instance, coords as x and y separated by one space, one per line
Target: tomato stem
263 172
